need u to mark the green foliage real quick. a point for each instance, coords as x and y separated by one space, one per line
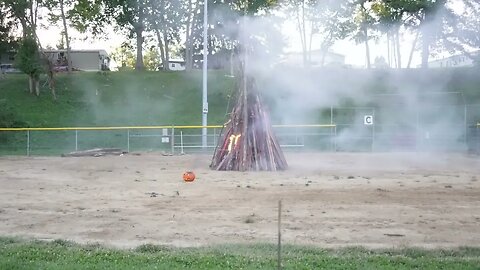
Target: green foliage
18 254
88 16
6 40
151 59
28 58
8 118
124 57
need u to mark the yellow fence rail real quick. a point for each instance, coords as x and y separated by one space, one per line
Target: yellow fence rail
147 127
171 137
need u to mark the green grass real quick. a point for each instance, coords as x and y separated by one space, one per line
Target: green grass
117 99
165 98
59 254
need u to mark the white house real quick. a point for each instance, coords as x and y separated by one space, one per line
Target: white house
84 60
176 64
316 58
454 61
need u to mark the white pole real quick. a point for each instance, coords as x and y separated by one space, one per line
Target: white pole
181 143
205 67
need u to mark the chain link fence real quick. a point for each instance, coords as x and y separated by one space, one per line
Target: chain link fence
389 128
169 139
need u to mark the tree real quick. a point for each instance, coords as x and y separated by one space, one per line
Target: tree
61 14
224 28
30 58
461 32
152 59
28 61
363 23
7 41
328 20
129 15
25 12
124 56
192 11
165 20
427 17
390 16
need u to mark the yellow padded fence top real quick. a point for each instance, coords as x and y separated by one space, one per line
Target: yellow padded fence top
148 127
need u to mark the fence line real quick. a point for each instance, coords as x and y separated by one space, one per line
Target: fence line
146 127
161 138
329 137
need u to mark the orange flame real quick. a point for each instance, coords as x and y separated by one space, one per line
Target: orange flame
233 141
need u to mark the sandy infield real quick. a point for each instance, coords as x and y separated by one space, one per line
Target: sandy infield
330 199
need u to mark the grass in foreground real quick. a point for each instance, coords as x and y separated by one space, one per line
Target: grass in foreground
59 254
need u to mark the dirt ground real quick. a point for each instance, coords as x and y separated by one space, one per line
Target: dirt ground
329 200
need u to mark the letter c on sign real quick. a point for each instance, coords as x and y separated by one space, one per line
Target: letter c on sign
368 120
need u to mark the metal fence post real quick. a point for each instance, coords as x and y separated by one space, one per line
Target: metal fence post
373 130
465 122
214 136
173 140
28 142
76 140
335 139
128 140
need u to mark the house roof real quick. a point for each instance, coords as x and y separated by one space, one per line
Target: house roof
474 53
78 51
176 61
316 51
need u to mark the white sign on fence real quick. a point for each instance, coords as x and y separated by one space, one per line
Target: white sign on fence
368 120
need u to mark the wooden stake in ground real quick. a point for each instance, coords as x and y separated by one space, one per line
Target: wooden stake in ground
280 234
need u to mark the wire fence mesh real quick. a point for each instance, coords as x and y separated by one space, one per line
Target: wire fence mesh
440 128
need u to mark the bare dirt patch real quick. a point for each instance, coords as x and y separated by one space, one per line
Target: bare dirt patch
330 200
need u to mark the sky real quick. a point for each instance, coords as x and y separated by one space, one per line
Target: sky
354 54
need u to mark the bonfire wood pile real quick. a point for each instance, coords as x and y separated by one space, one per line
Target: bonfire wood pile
247 142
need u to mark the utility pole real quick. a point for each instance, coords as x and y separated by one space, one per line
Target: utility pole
205 68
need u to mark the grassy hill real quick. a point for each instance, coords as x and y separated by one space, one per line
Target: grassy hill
116 99
165 98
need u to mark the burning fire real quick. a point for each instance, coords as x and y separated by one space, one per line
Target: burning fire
233 141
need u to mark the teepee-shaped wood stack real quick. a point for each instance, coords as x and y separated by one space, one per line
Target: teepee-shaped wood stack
247 142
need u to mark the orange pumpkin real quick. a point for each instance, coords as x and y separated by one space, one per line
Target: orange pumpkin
188 176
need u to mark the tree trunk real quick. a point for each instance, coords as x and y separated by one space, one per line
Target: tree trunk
310 44
397 44
367 48
139 66
394 49
52 89
160 47
24 28
425 50
188 34
67 39
388 50
301 31
326 44
31 84
304 33
37 86
414 44
139 26
165 43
